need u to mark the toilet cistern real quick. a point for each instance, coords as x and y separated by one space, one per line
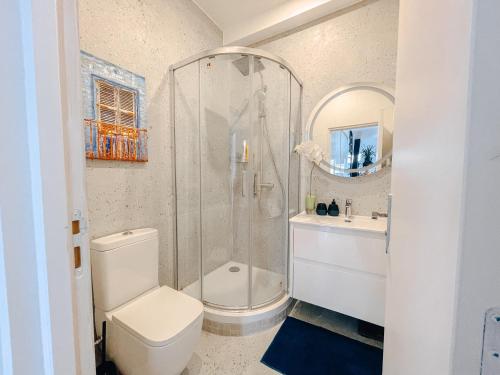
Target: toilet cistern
348 210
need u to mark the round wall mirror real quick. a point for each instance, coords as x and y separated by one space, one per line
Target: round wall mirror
353 125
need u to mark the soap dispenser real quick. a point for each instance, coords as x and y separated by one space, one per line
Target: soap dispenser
333 209
321 209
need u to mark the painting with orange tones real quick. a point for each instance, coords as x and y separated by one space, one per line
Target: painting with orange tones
114 111
114 142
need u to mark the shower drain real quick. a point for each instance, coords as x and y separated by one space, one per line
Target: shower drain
234 269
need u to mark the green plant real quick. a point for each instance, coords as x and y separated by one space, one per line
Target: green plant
369 154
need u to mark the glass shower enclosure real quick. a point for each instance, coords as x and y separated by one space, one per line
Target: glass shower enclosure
236 121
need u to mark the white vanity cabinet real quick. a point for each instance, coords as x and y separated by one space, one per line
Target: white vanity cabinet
340 266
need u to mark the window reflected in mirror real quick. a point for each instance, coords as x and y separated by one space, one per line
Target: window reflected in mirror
352 147
354 126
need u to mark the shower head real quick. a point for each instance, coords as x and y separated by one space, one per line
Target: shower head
243 65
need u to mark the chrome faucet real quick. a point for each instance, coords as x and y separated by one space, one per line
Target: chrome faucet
348 210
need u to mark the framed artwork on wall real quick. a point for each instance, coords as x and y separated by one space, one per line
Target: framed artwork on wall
114 111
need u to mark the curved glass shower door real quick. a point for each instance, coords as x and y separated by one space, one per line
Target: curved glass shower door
226 179
236 123
269 213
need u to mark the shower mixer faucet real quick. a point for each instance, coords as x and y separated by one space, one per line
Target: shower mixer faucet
259 186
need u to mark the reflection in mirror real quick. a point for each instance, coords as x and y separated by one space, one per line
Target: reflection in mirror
354 127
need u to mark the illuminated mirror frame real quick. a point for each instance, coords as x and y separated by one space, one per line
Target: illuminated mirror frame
324 165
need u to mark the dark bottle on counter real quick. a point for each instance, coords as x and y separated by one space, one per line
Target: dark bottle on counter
321 209
333 209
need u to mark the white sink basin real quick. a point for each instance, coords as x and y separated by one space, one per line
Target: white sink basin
362 223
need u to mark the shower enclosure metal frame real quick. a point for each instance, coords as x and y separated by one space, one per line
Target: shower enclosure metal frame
234 51
243 51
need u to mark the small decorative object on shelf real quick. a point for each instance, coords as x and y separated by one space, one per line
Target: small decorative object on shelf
115 142
310 203
321 209
314 154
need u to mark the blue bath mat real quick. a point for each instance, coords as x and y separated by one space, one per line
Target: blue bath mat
300 348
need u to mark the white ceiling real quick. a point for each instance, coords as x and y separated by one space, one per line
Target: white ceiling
245 22
225 13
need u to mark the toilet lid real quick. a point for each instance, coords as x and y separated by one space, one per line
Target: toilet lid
160 316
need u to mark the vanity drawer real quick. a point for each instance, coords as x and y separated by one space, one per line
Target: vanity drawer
362 251
352 293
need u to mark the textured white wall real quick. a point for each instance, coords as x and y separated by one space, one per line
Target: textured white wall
357 45
145 37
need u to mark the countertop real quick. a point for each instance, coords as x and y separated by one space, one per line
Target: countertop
358 223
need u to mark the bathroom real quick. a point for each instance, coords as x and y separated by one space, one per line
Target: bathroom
265 187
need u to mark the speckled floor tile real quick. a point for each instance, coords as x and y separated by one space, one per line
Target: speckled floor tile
223 355
226 355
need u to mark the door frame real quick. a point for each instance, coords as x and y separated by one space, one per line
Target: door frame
47 302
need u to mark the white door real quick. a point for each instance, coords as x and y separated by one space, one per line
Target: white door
45 318
427 184
75 164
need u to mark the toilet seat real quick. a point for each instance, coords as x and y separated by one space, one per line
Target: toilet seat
159 317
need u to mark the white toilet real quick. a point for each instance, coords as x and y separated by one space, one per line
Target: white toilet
152 330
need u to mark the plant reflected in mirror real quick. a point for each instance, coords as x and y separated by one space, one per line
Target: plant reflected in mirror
354 127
